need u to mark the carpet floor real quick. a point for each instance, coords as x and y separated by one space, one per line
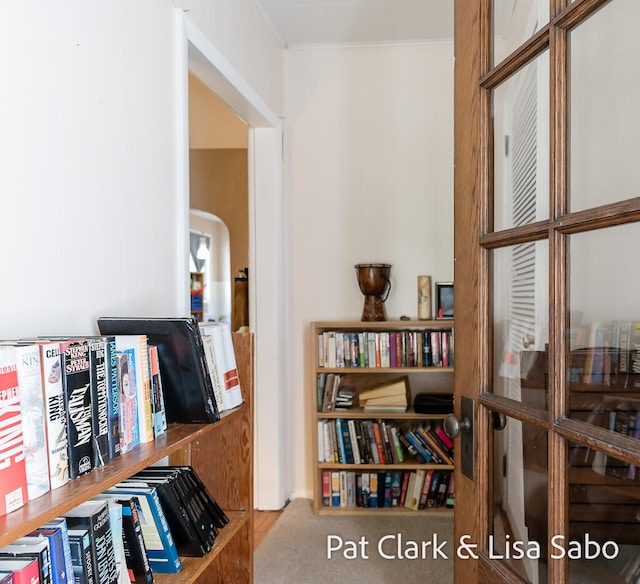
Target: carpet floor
303 548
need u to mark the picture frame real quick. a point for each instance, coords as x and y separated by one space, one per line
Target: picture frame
444 300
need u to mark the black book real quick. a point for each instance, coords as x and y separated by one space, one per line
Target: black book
185 375
111 365
217 511
135 550
99 400
80 545
94 516
185 534
76 380
199 514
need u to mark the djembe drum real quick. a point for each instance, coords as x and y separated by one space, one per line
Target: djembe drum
374 283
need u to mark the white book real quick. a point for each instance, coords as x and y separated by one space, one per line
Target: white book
225 363
55 412
32 408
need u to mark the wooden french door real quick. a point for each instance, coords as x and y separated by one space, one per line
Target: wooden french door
547 225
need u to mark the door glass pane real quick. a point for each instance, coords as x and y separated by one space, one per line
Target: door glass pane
603 544
520 500
520 322
521 146
605 118
604 363
515 21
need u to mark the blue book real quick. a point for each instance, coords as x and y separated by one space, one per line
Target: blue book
159 541
56 554
413 440
61 524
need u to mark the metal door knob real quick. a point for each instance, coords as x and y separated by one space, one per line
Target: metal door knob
452 426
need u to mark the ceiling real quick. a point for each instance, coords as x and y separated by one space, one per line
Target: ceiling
337 22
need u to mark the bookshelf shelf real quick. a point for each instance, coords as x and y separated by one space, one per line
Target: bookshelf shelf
222 456
422 379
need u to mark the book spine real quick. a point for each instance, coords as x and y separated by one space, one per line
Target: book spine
33 420
145 403
113 409
99 401
13 480
55 412
77 387
80 545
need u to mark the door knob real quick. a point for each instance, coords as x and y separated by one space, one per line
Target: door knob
453 426
464 428
499 421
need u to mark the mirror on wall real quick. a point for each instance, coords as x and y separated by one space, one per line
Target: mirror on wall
210 256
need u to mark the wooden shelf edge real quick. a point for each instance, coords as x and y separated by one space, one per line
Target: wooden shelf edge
384 467
395 370
193 568
58 501
445 323
360 414
395 511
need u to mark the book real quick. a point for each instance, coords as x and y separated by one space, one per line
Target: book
157 395
159 542
24 570
205 514
94 516
6 577
207 344
136 555
136 347
225 361
55 413
388 394
82 560
115 522
76 381
113 396
60 523
33 547
57 553
198 485
13 478
99 400
186 535
127 402
186 382
32 407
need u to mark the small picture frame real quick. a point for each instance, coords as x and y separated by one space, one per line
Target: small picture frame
444 300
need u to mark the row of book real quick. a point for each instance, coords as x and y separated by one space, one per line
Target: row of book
69 405
123 536
390 395
348 441
421 348
417 489
606 353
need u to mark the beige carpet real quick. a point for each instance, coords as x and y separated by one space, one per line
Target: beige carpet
296 549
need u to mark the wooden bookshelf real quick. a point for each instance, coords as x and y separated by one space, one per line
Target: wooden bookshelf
422 379
196 286
220 453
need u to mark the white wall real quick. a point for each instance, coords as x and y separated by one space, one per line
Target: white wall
88 171
369 147
93 155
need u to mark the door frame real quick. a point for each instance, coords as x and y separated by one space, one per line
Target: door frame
267 284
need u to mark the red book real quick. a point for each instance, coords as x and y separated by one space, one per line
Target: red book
13 477
25 570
